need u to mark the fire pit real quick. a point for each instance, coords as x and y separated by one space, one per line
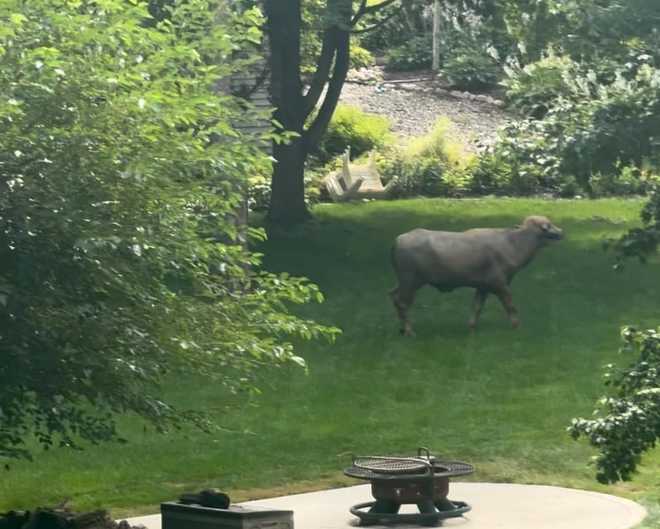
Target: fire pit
395 481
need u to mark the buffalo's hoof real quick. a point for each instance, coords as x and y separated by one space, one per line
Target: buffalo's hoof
515 323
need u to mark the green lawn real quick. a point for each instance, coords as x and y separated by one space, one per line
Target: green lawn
499 398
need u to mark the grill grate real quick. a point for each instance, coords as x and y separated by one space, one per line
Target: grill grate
387 468
389 465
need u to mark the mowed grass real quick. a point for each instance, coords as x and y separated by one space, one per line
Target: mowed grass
499 398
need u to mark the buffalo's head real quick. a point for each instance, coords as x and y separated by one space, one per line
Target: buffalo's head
545 229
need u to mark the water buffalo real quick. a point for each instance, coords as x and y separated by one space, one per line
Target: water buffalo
485 259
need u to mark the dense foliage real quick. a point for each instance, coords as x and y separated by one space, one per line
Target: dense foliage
352 128
120 257
585 86
414 54
643 242
589 133
432 165
469 42
627 423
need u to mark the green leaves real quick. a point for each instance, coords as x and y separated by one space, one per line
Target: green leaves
121 175
581 126
627 422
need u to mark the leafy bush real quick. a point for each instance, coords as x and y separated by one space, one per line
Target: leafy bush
466 69
494 174
568 187
598 130
643 242
469 62
351 127
628 180
360 57
522 162
627 422
469 58
431 165
415 54
395 26
532 90
120 256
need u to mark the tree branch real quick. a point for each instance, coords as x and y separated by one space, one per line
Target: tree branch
359 13
313 134
366 10
322 72
378 24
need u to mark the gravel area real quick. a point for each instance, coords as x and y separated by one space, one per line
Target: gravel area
415 102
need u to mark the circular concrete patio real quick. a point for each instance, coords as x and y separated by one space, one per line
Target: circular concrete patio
494 506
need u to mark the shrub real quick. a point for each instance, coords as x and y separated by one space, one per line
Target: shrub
360 57
120 258
629 180
415 54
431 165
533 89
614 127
259 193
627 421
490 175
522 162
568 187
351 127
470 69
469 60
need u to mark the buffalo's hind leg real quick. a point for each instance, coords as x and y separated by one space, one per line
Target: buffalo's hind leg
507 302
478 304
403 299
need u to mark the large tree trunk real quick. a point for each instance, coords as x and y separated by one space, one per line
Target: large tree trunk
287 200
287 204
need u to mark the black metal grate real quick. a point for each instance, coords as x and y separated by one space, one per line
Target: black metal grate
388 465
387 468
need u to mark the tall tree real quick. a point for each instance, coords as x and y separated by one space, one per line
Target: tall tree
297 110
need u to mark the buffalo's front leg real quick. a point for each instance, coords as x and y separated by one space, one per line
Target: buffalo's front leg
507 302
478 304
402 300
